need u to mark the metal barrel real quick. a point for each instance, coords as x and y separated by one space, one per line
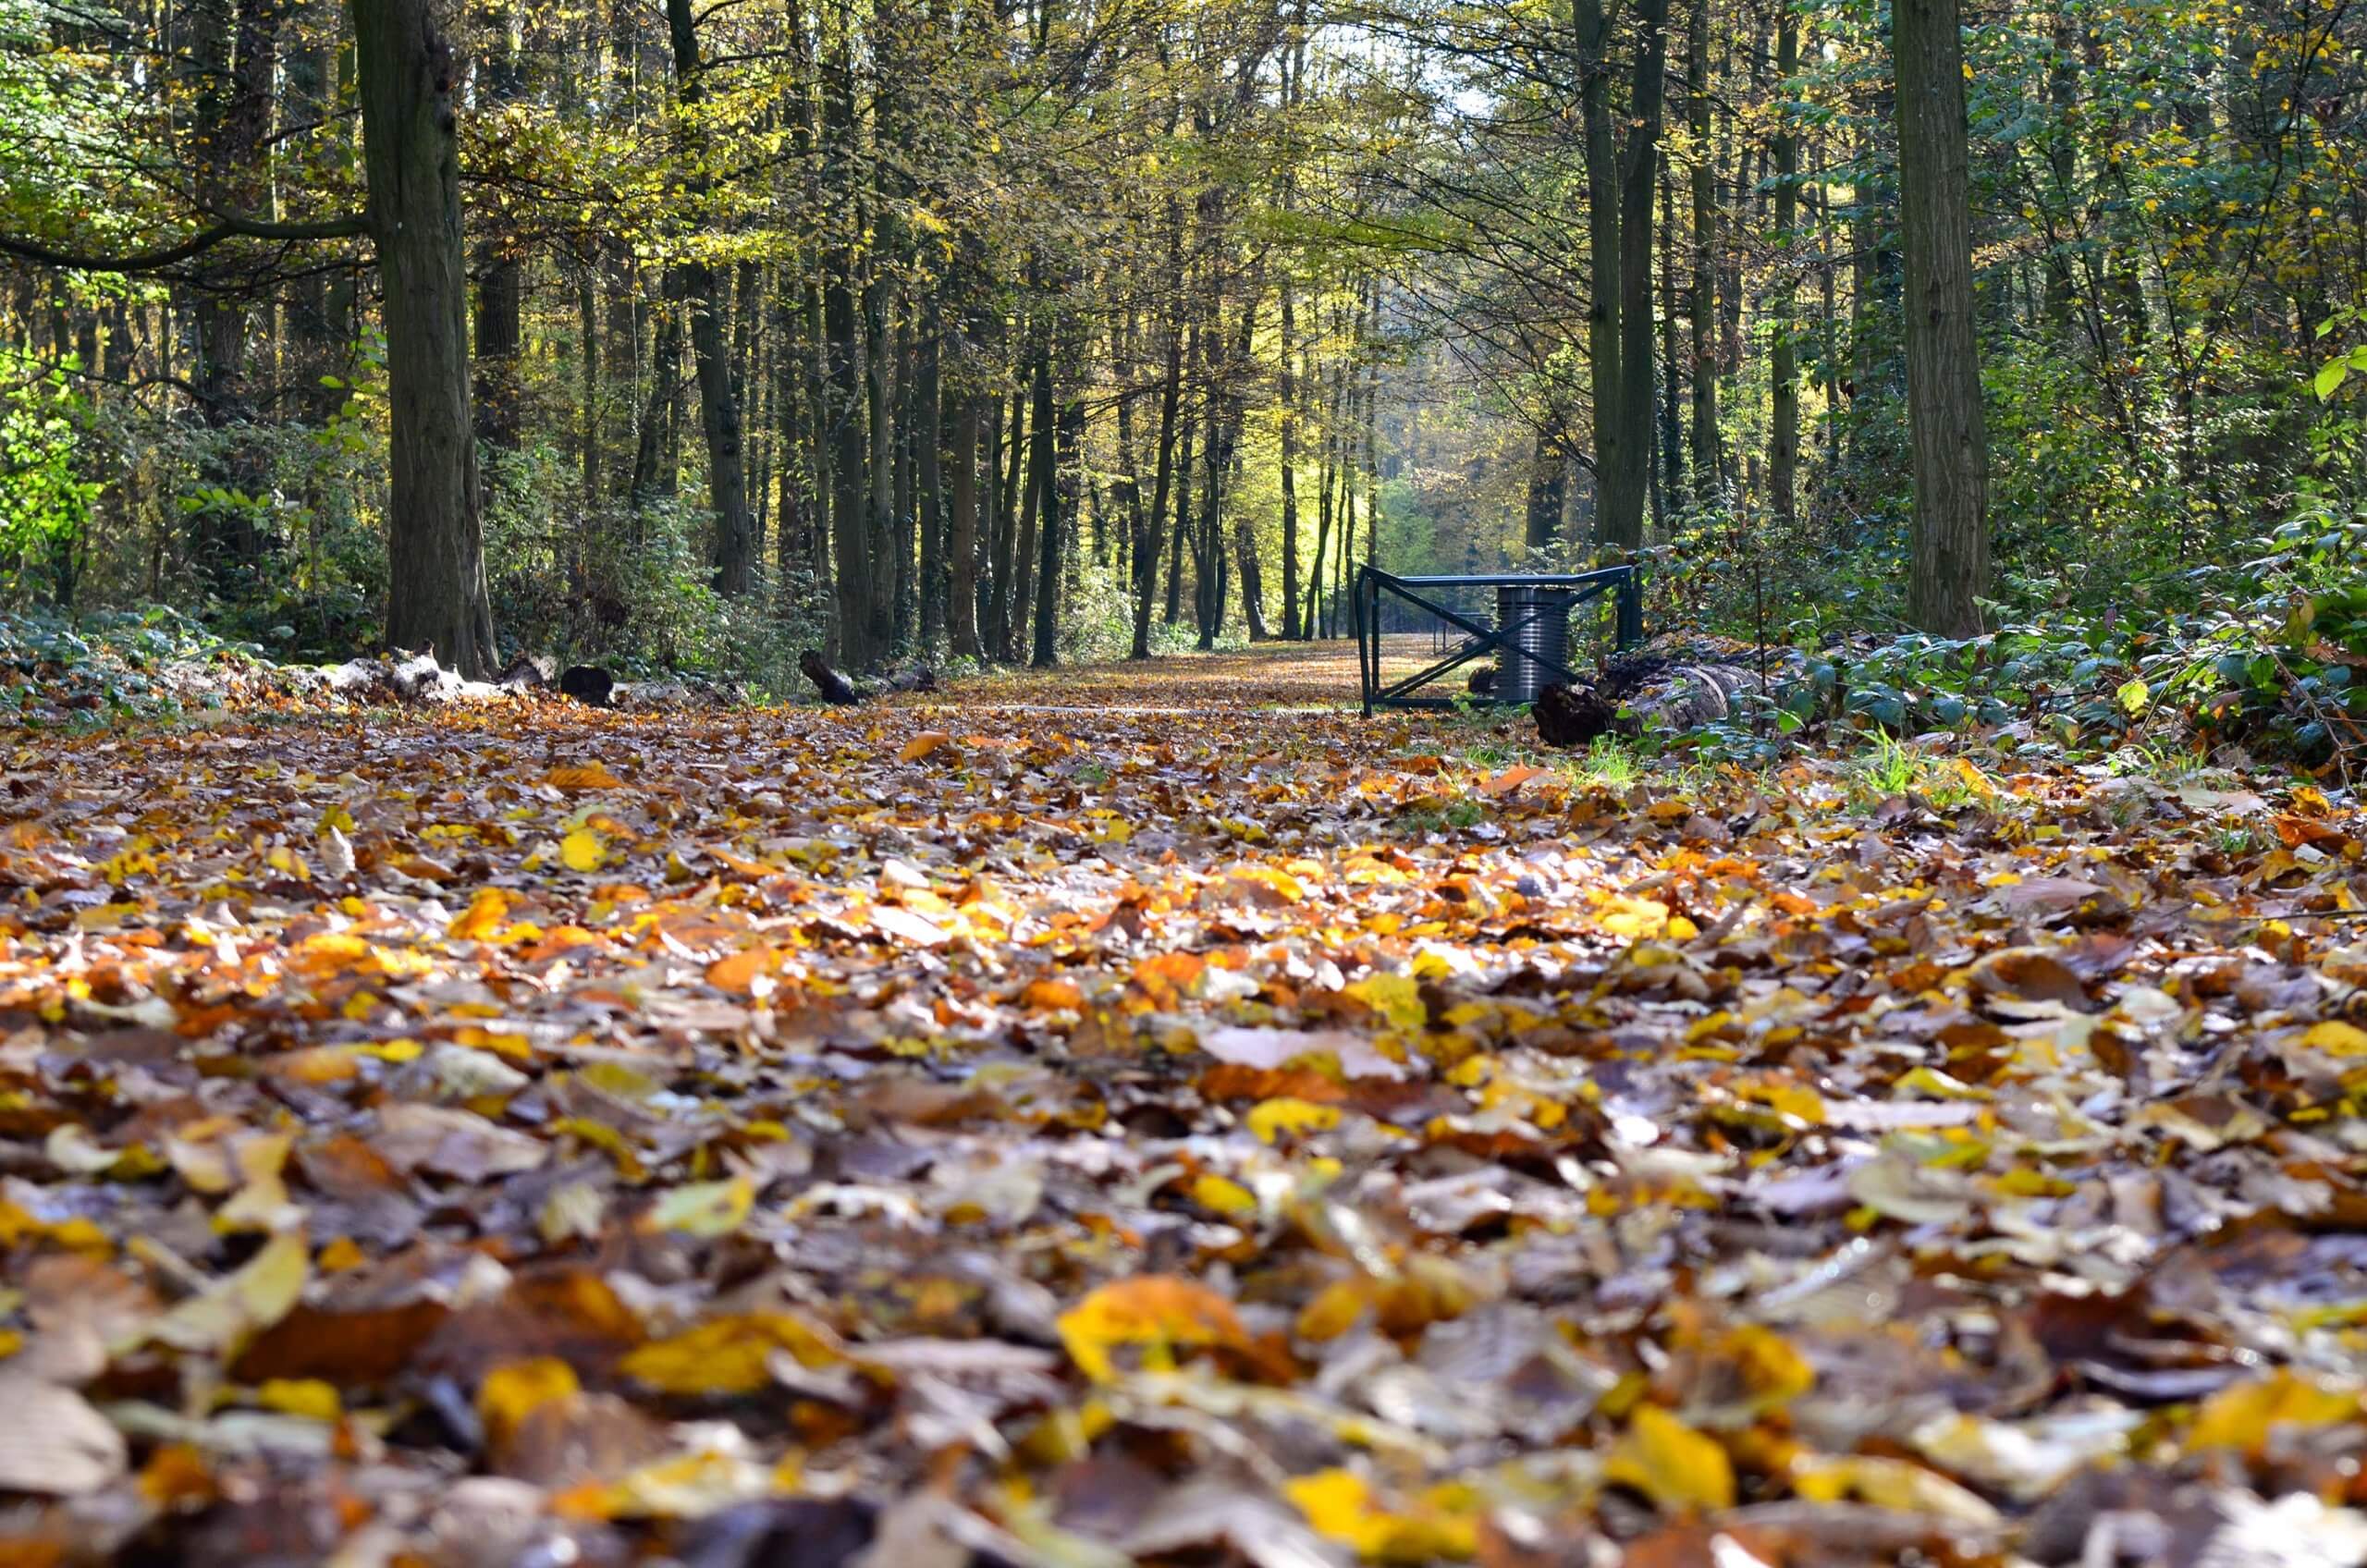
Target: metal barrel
1536 622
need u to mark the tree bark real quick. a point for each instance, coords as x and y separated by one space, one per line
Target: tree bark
1949 552
1151 540
928 434
1783 371
1592 25
1619 320
1705 461
961 595
1549 478
1044 481
500 276
436 594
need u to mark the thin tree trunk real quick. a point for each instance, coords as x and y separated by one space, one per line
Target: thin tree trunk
733 550
1150 541
927 433
1043 480
1706 461
961 595
1784 373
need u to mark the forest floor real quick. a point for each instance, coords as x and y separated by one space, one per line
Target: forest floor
1156 1114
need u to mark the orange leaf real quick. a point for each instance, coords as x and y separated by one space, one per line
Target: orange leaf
1512 778
575 781
1052 996
738 972
922 744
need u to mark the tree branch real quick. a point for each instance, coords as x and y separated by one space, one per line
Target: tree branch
230 226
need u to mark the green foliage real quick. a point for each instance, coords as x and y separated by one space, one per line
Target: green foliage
44 498
630 588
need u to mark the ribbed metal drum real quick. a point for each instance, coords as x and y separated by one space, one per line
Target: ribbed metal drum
1546 612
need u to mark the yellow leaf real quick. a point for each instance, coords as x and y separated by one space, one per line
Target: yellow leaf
583 850
1774 1371
511 1393
922 744
222 1318
308 1397
705 1209
2241 1416
1893 1484
1271 1119
262 1203
1677 1467
1156 1312
2337 1038
730 1356
1341 1506
1397 998
1334 1311
1636 919
1223 1197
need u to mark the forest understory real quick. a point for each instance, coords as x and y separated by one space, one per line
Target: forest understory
1155 1114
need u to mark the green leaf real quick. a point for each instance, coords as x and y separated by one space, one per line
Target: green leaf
2331 375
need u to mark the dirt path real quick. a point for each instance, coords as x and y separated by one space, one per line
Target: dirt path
1134 1113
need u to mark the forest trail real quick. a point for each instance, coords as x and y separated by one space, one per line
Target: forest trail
1075 1136
1312 677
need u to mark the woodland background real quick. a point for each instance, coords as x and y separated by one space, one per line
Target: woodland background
1072 328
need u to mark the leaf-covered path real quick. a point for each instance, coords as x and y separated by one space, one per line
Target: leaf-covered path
1152 1115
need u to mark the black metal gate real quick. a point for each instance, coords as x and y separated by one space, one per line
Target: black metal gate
1459 629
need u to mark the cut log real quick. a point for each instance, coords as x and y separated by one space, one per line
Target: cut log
588 683
1572 715
1676 685
527 672
842 690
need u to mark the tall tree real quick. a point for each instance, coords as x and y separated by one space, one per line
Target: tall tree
1784 360
437 595
733 548
1620 176
1949 552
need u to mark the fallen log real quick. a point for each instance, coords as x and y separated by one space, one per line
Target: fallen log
842 691
588 683
1680 685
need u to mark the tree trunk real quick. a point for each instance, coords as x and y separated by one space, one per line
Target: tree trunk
1950 546
1002 567
928 433
1044 480
500 277
1592 25
879 527
1548 477
1619 320
1671 492
1705 459
1150 541
1783 371
962 545
1289 371
434 550
1622 518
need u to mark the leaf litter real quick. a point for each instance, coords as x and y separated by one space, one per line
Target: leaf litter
991 1128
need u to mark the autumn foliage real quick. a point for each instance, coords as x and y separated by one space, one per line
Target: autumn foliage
1142 1118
